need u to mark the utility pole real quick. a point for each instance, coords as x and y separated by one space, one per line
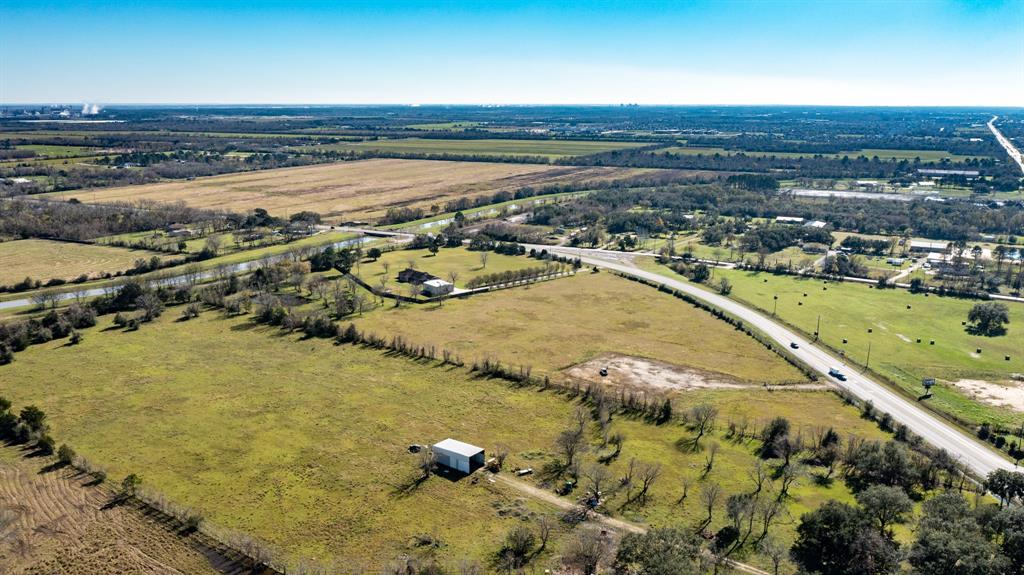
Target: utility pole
867 363
817 328
775 304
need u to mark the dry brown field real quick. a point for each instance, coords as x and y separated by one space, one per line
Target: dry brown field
46 259
56 522
354 190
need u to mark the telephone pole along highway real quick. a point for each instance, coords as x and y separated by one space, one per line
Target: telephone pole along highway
966 449
1012 150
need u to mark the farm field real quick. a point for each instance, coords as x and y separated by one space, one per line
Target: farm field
320 472
848 310
463 262
62 525
556 324
357 189
51 151
551 149
46 259
924 155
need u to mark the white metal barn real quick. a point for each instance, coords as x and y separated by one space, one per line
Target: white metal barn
459 456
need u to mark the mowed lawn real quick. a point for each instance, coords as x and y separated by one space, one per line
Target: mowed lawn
466 265
555 324
849 310
356 189
551 149
45 259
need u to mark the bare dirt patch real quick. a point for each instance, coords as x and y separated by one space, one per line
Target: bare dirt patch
639 372
1000 394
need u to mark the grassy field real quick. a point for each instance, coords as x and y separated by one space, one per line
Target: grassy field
317 471
551 149
924 155
45 259
359 189
51 151
848 310
556 324
303 443
463 262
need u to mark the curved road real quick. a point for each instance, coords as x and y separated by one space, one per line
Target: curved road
970 452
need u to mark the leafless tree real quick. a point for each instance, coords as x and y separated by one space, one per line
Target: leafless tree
768 511
648 474
570 443
686 482
586 551
775 551
709 461
702 419
597 477
483 259
426 462
759 474
709 496
544 527
45 299
790 474
500 453
150 305
386 267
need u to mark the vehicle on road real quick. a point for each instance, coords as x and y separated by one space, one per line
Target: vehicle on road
834 372
794 345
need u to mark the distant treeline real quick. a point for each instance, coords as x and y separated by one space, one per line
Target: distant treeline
666 208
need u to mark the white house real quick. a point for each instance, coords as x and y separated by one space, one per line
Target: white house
816 224
458 456
436 287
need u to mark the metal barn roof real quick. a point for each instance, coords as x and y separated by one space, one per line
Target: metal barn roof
458 447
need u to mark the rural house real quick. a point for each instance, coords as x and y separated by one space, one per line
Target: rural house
411 276
459 456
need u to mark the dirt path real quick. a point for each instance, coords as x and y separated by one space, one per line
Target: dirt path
617 524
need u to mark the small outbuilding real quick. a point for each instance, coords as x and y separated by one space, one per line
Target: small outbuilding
437 287
458 456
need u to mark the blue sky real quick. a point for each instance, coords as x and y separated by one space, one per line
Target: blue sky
728 52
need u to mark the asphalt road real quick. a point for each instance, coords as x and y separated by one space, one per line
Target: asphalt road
1005 142
970 452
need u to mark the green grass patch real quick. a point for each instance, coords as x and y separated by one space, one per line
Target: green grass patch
849 310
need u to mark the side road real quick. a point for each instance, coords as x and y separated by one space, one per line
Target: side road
616 524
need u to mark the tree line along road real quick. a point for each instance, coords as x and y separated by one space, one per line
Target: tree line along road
967 450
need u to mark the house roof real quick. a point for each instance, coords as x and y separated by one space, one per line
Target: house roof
458 447
436 283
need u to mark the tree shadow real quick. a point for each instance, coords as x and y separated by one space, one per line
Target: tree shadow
990 332
689 444
55 466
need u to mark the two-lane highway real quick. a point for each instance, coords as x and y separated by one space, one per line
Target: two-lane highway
918 419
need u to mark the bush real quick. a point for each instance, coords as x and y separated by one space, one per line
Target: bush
65 454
